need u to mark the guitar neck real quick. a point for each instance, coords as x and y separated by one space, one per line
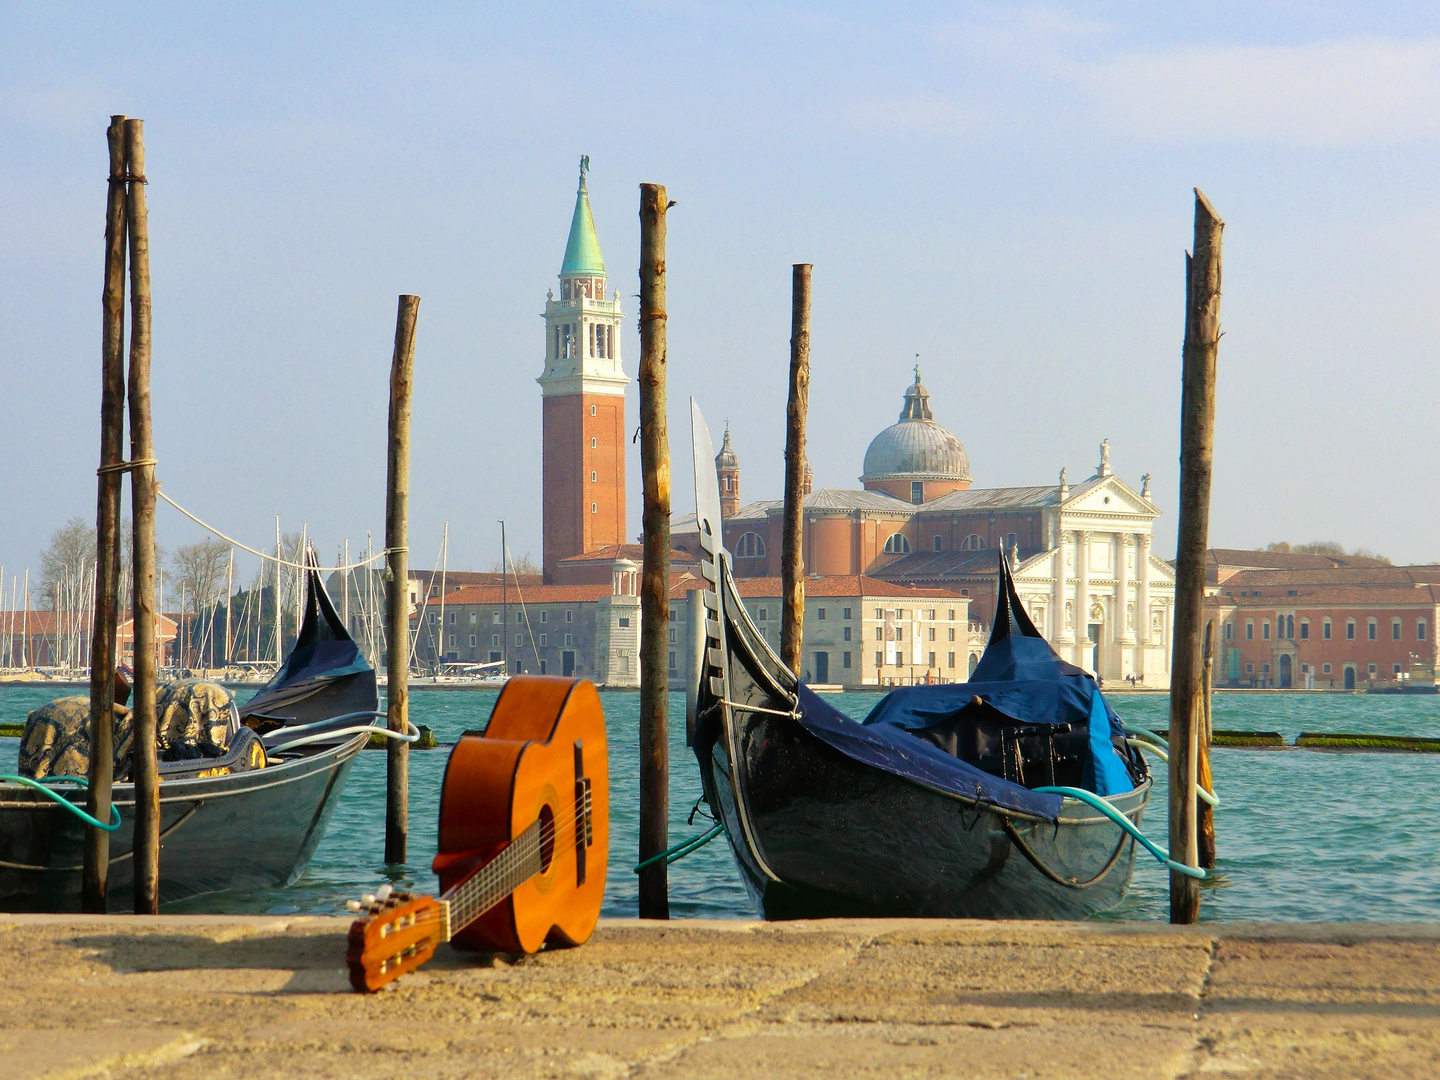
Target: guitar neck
516 864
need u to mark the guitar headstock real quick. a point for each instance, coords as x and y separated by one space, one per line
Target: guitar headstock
395 932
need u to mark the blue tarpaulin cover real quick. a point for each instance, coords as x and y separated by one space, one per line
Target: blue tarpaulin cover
1019 675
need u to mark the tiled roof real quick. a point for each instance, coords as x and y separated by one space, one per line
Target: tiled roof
533 594
1008 498
841 585
824 499
1336 596
633 552
1241 559
1367 577
932 565
456 579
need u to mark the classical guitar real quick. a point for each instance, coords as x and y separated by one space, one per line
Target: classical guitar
524 831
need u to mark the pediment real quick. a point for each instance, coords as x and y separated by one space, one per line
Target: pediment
1108 495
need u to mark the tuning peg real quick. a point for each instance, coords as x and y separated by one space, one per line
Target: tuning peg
383 892
354 905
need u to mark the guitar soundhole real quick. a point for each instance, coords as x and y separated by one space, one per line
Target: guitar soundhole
547 837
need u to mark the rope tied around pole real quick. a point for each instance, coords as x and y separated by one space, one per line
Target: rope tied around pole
125 466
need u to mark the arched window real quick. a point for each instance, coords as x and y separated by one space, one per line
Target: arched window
897 544
973 542
750 546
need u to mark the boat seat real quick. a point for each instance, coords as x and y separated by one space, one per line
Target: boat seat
244 754
1031 755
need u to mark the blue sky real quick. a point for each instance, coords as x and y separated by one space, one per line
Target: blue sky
1003 189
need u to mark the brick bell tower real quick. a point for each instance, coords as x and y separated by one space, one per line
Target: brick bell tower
583 400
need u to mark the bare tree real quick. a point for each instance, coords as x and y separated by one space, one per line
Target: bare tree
69 555
199 569
519 564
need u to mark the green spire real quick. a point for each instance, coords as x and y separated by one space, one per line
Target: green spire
582 250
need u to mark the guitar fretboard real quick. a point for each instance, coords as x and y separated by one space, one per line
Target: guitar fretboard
497 879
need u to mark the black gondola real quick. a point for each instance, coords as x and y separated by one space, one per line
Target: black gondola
926 808
240 830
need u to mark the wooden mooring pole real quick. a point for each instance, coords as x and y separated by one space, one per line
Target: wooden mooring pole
145 768
397 596
655 577
96 873
792 559
1205 829
1197 450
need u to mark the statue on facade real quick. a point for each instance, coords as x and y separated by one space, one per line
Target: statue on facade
1145 486
1105 457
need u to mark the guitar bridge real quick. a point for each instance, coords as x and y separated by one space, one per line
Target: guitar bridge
583 828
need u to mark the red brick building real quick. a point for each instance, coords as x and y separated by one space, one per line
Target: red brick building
1341 627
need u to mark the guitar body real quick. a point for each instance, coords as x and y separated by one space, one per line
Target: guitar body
541 758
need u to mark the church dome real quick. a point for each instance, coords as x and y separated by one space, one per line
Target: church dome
916 448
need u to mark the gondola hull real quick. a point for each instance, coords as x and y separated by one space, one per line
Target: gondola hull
828 817
243 831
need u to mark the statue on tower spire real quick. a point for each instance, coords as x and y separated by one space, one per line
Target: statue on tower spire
584 168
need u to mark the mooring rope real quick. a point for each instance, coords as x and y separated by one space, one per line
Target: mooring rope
381 554
64 802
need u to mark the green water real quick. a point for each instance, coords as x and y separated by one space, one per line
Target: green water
1302 835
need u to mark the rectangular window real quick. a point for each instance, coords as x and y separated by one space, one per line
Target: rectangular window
845 614
544 616
474 617
1371 629
764 614
624 620
879 633
544 639
672 635
932 633
899 633
452 640
452 618
519 639
1304 631
845 635
1372 669
1249 668
672 659
1265 631
1350 631
434 618
879 659
879 613
1395 630
845 659
931 662
917 491
1420 630
542 667
951 633
1325 670
569 639
1229 631
519 616
494 641
952 614
820 613
950 659
1397 669
494 618
1325 630
1249 631
569 615
474 640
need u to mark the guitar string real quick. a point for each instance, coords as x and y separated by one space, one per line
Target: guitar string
506 869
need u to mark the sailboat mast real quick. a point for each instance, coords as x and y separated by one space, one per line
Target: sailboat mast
504 602
345 586
229 602
25 649
444 562
279 570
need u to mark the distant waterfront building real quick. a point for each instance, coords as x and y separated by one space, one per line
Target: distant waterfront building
1322 622
583 401
1082 554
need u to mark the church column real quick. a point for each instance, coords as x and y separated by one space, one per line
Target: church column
1142 602
1058 632
1124 545
1082 596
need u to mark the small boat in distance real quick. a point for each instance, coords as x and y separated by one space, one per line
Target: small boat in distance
928 807
223 824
